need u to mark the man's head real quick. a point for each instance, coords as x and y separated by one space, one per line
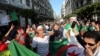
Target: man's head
56 26
93 23
20 30
40 29
92 40
73 19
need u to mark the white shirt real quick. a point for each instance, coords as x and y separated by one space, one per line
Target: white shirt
72 39
42 45
97 52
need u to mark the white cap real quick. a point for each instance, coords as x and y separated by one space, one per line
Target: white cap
74 18
39 27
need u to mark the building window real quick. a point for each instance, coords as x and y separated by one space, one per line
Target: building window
4 1
13 0
76 5
28 2
81 2
89 1
20 1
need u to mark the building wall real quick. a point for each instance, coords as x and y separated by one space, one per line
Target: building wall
68 7
4 1
72 5
43 8
18 3
28 4
63 9
25 4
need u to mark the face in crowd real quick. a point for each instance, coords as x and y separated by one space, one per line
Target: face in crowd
56 27
93 23
40 30
72 19
92 40
20 31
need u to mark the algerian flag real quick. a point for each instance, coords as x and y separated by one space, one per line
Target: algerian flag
56 45
70 50
75 51
13 16
19 50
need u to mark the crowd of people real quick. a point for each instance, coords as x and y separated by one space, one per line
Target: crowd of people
67 38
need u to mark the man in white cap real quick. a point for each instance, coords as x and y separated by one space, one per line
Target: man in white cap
71 30
68 25
41 42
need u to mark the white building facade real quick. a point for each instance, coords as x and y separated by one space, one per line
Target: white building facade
72 5
63 9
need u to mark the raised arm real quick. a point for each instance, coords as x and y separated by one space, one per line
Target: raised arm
12 26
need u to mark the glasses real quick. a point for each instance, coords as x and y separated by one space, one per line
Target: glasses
89 44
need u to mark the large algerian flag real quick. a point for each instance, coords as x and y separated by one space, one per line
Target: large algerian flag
19 50
71 50
56 45
13 16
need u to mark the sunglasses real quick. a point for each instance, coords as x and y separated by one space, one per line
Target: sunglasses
89 44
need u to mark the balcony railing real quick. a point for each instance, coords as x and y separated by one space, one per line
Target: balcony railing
17 4
4 1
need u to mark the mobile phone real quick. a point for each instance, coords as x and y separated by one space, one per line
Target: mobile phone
73 24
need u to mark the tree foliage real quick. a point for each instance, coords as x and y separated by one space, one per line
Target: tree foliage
88 10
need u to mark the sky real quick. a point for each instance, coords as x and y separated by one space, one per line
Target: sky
56 5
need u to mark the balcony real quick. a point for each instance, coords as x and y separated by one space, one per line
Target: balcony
16 3
4 1
28 4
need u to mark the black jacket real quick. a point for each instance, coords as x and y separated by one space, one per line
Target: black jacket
56 36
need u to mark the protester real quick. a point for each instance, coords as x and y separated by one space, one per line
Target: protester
28 29
97 26
21 35
71 30
92 25
40 42
57 33
4 41
92 43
